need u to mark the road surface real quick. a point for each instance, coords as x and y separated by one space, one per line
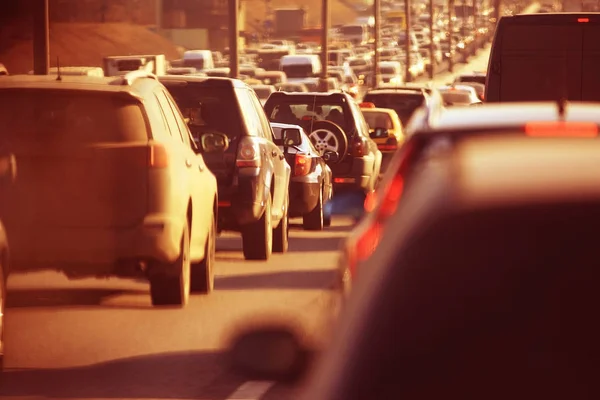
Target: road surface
101 339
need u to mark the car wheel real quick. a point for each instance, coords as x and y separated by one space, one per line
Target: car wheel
281 233
257 238
313 221
203 275
328 136
172 288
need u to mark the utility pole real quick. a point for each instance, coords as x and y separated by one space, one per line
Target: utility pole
407 21
497 10
159 14
431 42
41 37
476 20
377 12
450 35
324 43
234 34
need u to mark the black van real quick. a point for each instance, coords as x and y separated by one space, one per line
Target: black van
537 57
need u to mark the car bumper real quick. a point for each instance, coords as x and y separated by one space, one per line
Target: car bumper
241 203
304 197
155 243
359 176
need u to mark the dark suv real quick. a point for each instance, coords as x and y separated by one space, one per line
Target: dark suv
335 124
252 173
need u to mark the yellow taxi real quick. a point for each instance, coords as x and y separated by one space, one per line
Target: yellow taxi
385 127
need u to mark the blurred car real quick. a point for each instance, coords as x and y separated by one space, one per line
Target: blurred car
110 183
459 95
385 129
479 284
311 183
443 133
479 89
263 92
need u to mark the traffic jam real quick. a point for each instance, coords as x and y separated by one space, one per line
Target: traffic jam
450 161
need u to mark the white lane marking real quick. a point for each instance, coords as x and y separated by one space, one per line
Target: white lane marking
251 390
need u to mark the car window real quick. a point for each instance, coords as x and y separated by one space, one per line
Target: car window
251 117
302 111
178 119
378 120
73 117
265 126
361 123
168 113
404 104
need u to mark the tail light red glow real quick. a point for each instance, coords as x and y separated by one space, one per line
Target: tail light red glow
390 145
390 196
248 154
302 165
583 20
367 105
562 129
157 156
359 147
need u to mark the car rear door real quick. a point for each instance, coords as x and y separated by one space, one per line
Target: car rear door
82 163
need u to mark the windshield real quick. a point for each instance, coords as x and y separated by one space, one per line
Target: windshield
209 108
352 30
387 70
404 104
298 70
456 97
378 120
68 117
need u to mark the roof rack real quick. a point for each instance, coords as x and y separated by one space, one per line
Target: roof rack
132 76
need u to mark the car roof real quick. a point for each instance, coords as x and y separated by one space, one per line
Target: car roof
236 83
115 84
402 91
497 171
507 115
286 126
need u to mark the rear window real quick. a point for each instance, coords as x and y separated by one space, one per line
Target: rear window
404 104
209 108
454 97
378 120
69 117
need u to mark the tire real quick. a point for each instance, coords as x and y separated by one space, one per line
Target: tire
257 238
313 221
202 278
281 233
327 221
336 130
173 289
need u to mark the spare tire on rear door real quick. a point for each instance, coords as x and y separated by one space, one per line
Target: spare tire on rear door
328 136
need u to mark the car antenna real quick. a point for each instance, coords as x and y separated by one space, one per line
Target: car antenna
59 76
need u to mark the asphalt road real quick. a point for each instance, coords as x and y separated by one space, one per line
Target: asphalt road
101 339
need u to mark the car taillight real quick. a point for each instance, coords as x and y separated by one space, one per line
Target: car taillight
157 156
302 165
390 144
359 147
248 154
383 203
562 129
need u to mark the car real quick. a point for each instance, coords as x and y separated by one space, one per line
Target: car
478 282
110 183
443 133
311 185
459 95
334 123
479 88
252 174
544 57
385 129
263 92
405 100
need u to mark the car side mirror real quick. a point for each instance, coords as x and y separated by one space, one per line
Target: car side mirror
214 142
379 133
331 157
291 137
270 354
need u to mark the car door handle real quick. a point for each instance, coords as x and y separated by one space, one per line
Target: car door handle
188 163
